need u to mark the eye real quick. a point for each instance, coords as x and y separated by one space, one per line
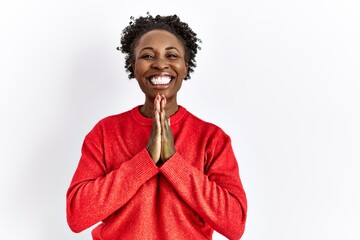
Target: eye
172 55
147 56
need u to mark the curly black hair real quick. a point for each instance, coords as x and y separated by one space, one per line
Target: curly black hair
141 25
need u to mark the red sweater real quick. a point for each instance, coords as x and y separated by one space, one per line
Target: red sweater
198 190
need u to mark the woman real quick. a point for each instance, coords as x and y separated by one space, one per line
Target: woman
157 171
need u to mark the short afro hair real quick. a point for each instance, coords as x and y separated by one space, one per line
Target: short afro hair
141 25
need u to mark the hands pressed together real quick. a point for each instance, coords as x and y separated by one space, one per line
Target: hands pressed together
161 142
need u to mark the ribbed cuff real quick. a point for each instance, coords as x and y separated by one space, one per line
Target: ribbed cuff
141 168
176 170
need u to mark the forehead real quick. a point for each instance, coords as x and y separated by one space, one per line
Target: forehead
159 38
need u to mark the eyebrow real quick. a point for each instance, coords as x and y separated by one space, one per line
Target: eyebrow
151 48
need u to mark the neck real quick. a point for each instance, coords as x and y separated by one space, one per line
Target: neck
148 108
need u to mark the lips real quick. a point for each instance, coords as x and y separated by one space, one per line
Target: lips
160 80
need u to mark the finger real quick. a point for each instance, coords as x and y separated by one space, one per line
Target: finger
156 98
163 98
157 102
154 142
157 122
162 120
167 141
166 132
166 122
163 102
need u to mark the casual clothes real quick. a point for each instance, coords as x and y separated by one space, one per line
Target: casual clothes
196 191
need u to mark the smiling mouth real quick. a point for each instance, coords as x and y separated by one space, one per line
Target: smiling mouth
160 80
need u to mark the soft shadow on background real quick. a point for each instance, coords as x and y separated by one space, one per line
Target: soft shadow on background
280 77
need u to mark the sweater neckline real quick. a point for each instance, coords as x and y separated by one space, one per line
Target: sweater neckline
145 121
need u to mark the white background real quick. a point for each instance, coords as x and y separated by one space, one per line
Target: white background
281 77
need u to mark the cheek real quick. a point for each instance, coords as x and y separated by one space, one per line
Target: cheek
137 69
184 70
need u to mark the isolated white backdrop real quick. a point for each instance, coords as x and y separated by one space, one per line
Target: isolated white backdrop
280 77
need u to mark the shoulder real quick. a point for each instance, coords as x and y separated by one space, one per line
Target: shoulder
115 118
111 122
206 127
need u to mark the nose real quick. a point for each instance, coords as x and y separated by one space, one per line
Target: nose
160 63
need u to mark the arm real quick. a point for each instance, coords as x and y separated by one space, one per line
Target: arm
94 193
217 195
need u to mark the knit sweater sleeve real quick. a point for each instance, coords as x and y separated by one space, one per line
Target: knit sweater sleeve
96 193
216 194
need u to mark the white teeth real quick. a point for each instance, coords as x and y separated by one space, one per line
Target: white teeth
160 80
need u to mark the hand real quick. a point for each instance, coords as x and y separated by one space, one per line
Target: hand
167 139
161 142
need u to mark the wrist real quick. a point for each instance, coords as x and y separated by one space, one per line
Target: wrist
159 163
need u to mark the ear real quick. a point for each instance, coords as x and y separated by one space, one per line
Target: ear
133 69
187 69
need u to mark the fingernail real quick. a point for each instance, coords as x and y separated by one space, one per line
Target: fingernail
163 98
156 98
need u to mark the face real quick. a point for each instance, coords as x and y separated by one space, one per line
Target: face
159 65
